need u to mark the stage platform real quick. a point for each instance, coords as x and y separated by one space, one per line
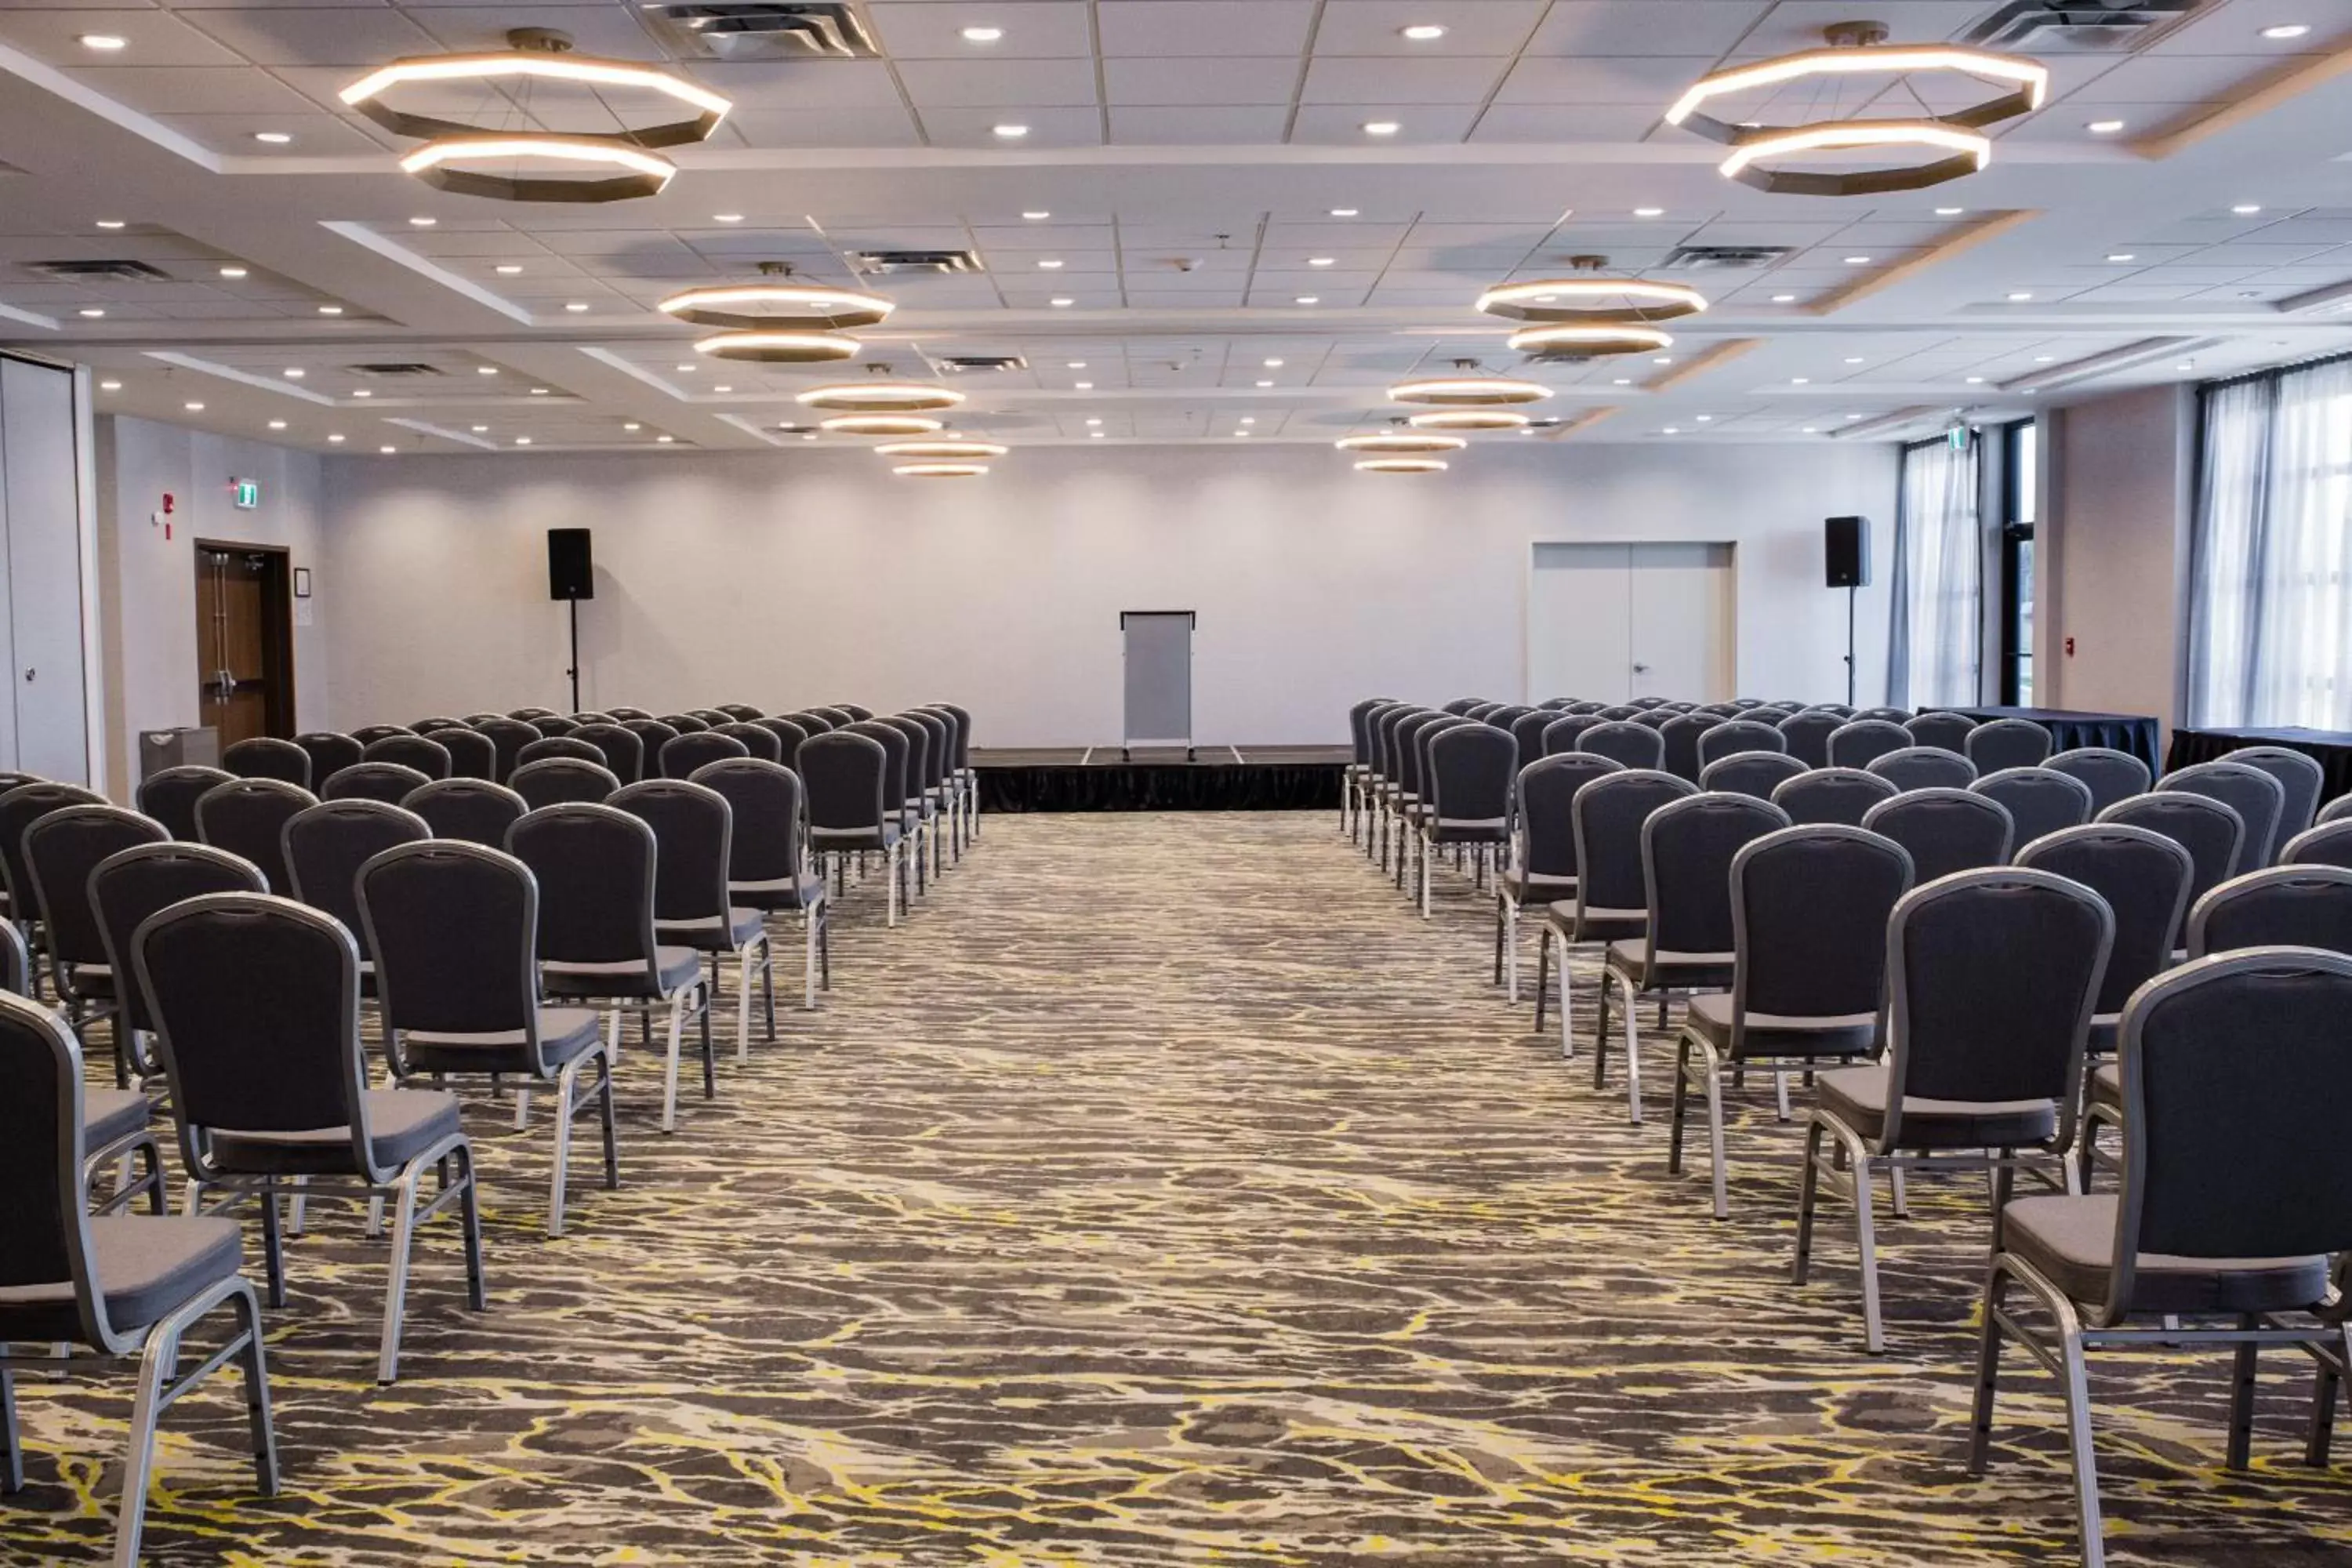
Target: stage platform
1160 778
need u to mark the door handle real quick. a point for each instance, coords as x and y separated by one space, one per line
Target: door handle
1640 669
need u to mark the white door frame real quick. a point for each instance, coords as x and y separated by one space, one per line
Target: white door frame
1527 593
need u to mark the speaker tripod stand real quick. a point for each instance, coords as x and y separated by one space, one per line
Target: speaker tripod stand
574 671
1850 593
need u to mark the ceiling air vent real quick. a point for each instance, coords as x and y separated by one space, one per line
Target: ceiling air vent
2080 27
394 368
763 29
915 261
981 362
1722 258
85 271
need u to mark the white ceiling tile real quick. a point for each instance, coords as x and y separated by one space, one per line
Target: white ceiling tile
930 29
316 134
1195 26
1403 82
1049 127
802 84
613 32
1472 27
1175 79
887 127
194 89
1565 122
1589 27
1198 126
1649 82
322 37
2172 78
1333 124
993 84
154 39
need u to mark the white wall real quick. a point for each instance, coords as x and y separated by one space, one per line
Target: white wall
799 577
148 582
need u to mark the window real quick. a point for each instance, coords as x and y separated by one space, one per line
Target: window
1933 643
2271 573
2018 519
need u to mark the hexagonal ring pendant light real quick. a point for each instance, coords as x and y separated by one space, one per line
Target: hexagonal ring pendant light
1402 441
539 54
881 396
1860 49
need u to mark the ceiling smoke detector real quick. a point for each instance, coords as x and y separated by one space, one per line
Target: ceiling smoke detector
763 29
2081 27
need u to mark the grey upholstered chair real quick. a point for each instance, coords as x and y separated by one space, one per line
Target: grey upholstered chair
561 781
1611 902
1943 830
1924 767
1856 743
249 819
1992 976
329 752
325 847
474 810
1565 733
1680 736
847 779
421 752
2301 781
2110 775
60 849
507 737
472 754
384 782
2254 794
2280 906
2211 831
1945 732
170 795
1832 795
2009 743
1471 771
693 831
770 867
1808 734
2039 801
1542 865
1625 743
1757 774
267 757
2328 843
616 746
369 734
1737 737
574 745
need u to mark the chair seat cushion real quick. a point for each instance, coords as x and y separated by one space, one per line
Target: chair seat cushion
879 838
107 1114
673 967
1672 971
1466 830
779 892
711 935
564 1033
2108 1085
1522 887
1601 924
402 1124
1773 1035
1857 1097
2072 1239
145 1266
90 982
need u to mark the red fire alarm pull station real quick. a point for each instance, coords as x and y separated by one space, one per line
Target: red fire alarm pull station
2070 647
163 516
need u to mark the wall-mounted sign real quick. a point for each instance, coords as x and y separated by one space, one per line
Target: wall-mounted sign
245 494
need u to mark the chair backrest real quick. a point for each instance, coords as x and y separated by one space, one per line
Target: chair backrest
131 884
1658 718
918 751
741 712
255 1003
652 736
757 740
2301 781
1627 742
267 757
1462 705
2280 906
1992 976
507 737
20 808
170 795
1884 715
820 722
1387 743
2110 775
858 715
686 724
1808 734
2335 810
528 715
2254 794
1736 737
1504 715
963 733
847 777
1546 793
693 831
390 782
61 849
594 867
437 723
1756 773
1687 848
2039 801
1945 830
1471 769
769 840
1924 767
2236 1070
454 930
1528 729
895 775
1809 910
935 762
561 781
623 714
327 845
2328 843
1832 795
1854 743
1406 754
2145 877
1565 733
369 734
1945 732
714 717
679 758
472 811
472 754
789 737
421 752
564 746
45 1237
616 746
1607 816
554 724
2211 830
2008 743
1679 736
249 818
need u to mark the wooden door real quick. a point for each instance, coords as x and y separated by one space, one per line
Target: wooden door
236 670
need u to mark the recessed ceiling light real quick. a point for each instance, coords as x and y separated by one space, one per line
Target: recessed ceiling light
1382 127
486 369
104 43
1854 358
110 223
193 407
277 425
1800 380
1671 430
1274 365
273 138
2020 297
686 369
335 439
2247 209
1094 421
981 35
1649 212
232 271
109 386
1012 133
509 269
1806 430
295 372
92 313
539 391
1311 299
1344 212
575 306
1249 418
1857 261
808 435
1623 381
1084 386
2184 365
722 389
387 452
1322 260
522 440
330 310
632 425
480 429
1036 217
2044 359
1949 212
2103 127
1095 434
1664 359
1076 364
2286 31
422 222
1784 298
664 440
361 392
1706 418
1265 383
1050 263
1423 32
1063 304
1975 381
726 217
2122 256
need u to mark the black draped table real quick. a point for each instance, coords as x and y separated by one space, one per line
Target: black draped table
2332 749
2133 733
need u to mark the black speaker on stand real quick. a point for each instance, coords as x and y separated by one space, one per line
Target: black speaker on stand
1845 552
572 577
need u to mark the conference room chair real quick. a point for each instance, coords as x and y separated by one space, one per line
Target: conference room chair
2254 794
530 715
788 738
369 734
817 723
741 712
1945 830
2212 831
1992 976
454 930
1854 743
328 750
20 808
595 871
1627 742
1405 792
652 735
1472 769
1396 727
1807 735
1541 866
1719 712
1679 737
1566 734
2335 810
1843 711
1753 773
1504 714
1770 713
249 818
477 720
851 808
757 740
1734 737
1579 705
1461 706
622 715
1611 900
554 724
916 802
2280 906
265 757
270 1083
325 847
116 1137
125 888
507 737
170 795
2008 743
472 811
1656 717
1380 784
768 865
421 754
1945 732
956 779
713 717
437 723
686 724
858 715
679 758
2237 1053
61 849
2301 781
694 830
2110 775
588 716
79 1290
1527 732
967 777
565 746
563 781
1809 908
472 754
1685 945
2145 877
1924 767
2328 843
2039 801
1832 795
390 782
1884 715
941 801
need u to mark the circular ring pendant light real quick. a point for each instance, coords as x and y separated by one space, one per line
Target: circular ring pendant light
881 425
1591 299
881 396
1587 343
1469 391
941 471
1402 465
1470 419
1402 441
943 451
443 165
780 348
775 302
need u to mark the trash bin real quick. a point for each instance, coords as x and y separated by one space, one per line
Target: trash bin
161 749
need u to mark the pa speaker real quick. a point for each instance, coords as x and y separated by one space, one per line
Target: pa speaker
1845 547
570 570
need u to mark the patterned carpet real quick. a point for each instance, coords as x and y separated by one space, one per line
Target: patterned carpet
1165 1192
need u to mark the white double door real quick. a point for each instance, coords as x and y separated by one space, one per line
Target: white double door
1613 622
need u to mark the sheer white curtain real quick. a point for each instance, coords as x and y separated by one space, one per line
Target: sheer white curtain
1938 591
2271 596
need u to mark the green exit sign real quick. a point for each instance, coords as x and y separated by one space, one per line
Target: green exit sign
245 494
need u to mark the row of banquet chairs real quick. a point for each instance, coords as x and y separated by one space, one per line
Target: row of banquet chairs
1973 974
